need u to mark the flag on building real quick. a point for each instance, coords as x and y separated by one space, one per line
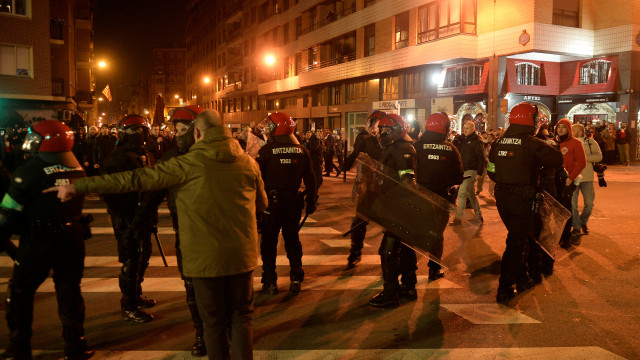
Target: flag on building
107 92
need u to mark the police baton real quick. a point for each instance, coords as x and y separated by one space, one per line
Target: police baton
303 220
154 230
362 223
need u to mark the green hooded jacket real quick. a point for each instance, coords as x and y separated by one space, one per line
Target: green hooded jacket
218 189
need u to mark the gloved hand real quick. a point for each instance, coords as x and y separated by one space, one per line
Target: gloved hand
311 208
601 181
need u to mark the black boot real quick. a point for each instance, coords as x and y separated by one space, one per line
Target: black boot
408 293
145 302
385 299
353 260
435 273
78 350
505 294
199 348
136 316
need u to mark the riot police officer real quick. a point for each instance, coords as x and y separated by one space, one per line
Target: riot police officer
183 120
439 169
133 217
396 258
515 163
52 237
368 144
284 163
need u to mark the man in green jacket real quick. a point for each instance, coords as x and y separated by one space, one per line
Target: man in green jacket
219 189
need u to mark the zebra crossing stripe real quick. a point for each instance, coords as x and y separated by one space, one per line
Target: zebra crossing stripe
176 284
538 353
160 211
168 230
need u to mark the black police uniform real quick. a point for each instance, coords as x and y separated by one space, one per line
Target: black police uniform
517 158
367 144
284 166
395 257
439 169
314 145
133 217
52 237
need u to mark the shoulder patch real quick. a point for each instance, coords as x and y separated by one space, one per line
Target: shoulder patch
18 180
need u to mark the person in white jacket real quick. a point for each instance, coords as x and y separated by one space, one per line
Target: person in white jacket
594 155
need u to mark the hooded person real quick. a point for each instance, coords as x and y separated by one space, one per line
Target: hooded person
574 161
52 236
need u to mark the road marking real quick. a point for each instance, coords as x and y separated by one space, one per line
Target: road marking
168 230
489 314
340 243
319 230
176 284
538 353
104 211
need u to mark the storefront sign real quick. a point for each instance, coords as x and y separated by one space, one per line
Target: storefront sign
586 99
531 98
333 110
393 104
461 99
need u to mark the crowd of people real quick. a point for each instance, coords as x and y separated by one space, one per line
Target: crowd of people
204 173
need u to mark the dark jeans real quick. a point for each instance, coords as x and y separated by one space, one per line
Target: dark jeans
516 213
284 213
226 307
357 237
63 252
329 166
191 294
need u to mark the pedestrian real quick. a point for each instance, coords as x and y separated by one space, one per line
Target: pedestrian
153 142
472 152
439 169
90 151
609 136
594 155
574 161
329 150
133 217
105 144
486 147
340 148
284 164
183 120
52 237
395 257
622 141
514 164
365 143
214 180
314 145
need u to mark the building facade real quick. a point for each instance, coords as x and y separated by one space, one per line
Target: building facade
47 59
330 63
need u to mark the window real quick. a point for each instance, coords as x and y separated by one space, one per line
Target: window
56 27
566 13
298 27
15 60
415 84
444 18
389 88
298 64
313 57
313 14
595 72
402 30
370 40
528 74
15 7
465 75
286 33
57 87
335 97
357 92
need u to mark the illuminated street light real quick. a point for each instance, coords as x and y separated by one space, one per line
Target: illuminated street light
270 60
103 114
176 96
100 99
207 80
146 111
102 64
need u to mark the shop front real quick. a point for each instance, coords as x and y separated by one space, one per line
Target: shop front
546 105
594 109
471 107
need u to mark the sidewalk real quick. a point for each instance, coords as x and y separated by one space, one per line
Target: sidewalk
621 173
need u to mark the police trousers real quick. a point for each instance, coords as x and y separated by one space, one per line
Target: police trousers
284 213
40 251
397 259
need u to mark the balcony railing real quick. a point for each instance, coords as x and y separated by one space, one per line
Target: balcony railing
331 17
330 62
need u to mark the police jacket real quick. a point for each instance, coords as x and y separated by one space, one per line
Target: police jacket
400 157
25 193
284 166
365 144
218 191
314 145
516 158
104 145
472 152
439 162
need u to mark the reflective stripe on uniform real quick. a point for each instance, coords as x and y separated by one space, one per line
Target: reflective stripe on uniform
404 172
9 203
491 167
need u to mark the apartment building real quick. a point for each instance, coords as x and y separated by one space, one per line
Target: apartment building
330 63
46 59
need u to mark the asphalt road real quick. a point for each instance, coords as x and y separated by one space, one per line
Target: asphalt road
586 310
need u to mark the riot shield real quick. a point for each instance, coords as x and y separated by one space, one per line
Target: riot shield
550 222
414 214
254 144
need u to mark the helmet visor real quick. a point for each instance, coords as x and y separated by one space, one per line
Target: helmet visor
32 142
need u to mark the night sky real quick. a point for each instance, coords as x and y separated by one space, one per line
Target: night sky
126 33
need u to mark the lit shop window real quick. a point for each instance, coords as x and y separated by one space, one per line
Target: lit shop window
528 74
465 75
15 60
389 88
595 72
402 30
14 7
443 18
357 92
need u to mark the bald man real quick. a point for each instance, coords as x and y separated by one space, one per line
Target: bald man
473 161
219 188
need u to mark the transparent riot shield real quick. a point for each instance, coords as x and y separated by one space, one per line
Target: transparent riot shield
414 214
550 222
254 144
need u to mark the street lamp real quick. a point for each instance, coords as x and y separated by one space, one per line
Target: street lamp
100 99
176 96
270 60
102 64
206 80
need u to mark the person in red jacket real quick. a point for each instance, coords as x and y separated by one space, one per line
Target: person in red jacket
574 162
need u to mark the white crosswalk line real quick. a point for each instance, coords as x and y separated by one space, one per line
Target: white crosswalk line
104 211
169 284
489 314
339 243
538 353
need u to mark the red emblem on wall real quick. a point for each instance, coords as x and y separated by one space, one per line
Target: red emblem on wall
524 38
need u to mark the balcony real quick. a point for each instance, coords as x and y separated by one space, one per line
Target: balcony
330 62
84 96
231 88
